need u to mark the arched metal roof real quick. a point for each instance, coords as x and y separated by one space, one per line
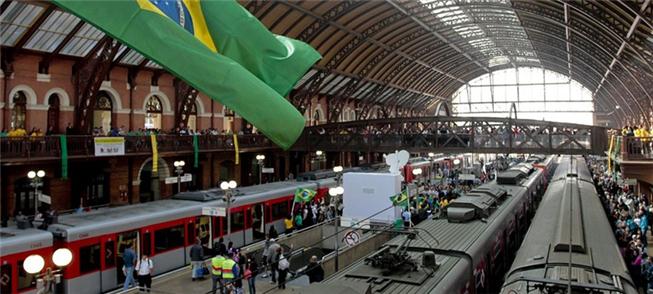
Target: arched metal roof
413 53
432 47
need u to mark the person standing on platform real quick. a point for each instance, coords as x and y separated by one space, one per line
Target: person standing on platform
196 257
283 266
229 272
406 216
299 221
217 263
273 232
251 270
288 222
219 247
314 271
273 259
145 268
128 259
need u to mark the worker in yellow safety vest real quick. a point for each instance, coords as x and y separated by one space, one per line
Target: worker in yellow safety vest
229 272
217 264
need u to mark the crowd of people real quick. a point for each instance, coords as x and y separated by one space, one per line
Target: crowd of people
629 215
310 213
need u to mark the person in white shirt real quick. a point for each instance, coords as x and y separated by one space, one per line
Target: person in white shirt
145 268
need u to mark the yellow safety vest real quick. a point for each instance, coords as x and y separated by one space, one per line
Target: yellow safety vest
227 269
216 265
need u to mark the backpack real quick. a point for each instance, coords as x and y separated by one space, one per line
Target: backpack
283 263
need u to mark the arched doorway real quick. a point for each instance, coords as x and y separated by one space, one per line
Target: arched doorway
53 114
102 113
25 196
316 117
19 111
149 183
226 171
153 113
192 118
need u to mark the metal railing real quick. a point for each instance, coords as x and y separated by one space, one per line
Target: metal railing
26 148
635 148
455 134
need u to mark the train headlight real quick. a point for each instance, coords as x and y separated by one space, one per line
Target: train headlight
33 264
62 257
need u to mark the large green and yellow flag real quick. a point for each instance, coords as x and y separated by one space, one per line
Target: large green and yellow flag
218 48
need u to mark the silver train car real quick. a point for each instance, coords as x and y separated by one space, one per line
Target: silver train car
468 251
166 230
570 248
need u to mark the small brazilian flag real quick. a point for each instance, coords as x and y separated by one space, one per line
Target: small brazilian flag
217 47
304 195
400 199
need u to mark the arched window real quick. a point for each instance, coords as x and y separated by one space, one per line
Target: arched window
316 117
19 112
53 114
537 94
102 113
153 112
192 117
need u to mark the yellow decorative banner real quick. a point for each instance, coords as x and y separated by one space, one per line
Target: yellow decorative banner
236 149
610 154
155 155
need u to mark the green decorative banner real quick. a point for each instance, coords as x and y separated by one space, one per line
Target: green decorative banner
63 141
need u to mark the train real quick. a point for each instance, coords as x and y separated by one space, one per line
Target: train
466 251
570 234
165 230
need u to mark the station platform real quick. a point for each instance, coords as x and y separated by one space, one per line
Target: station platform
179 281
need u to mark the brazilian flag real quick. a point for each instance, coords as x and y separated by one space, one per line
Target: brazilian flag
217 47
400 199
304 195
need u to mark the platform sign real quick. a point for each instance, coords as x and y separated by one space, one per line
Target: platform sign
268 170
352 238
109 146
184 178
45 198
214 211
466 177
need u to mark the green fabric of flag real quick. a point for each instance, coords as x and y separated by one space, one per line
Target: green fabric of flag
196 151
175 34
304 195
278 61
400 199
63 142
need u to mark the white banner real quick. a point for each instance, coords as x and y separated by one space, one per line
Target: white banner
109 146
184 178
268 170
214 211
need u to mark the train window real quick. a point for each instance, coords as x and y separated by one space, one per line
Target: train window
89 258
279 210
170 238
109 251
216 227
237 221
25 280
5 278
147 244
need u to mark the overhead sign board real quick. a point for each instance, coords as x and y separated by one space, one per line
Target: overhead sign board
109 146
268 170
184 178
45 198
214 211
466 177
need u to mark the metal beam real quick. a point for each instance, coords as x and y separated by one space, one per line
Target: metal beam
35 26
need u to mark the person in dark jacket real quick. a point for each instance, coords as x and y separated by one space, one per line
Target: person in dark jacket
251 271
314 271
196 258
220 248
273 233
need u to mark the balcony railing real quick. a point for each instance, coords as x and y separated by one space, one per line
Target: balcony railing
635 148
41 147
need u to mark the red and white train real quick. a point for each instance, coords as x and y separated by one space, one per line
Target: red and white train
165 230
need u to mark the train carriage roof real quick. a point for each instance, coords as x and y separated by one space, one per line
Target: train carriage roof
120 219
448 236
13 240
